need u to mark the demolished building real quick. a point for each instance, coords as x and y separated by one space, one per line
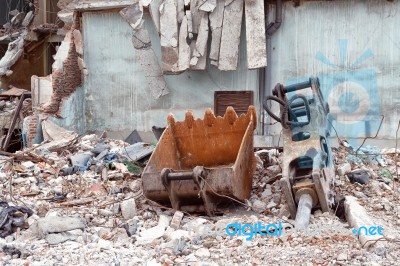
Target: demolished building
120 67
124 65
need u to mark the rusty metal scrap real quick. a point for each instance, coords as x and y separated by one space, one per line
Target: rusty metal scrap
307 174
196 161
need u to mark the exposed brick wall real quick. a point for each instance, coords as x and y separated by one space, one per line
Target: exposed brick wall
65 81
30 125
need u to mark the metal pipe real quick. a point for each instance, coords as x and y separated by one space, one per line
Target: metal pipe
303 211
270 30
273 27
297 86
180 176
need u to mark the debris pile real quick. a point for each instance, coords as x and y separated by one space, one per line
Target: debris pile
81 202
16 31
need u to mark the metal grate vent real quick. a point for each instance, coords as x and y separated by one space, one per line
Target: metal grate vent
239 100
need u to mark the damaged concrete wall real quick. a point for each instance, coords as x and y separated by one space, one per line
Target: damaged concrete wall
355 54
71 114
118 96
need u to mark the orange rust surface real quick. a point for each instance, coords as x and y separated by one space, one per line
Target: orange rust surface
212 141
224 145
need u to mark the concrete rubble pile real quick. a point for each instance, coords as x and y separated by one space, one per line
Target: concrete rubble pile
81 202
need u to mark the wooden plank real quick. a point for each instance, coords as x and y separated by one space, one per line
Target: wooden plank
169 36
230 39
216 18
13 92
255 34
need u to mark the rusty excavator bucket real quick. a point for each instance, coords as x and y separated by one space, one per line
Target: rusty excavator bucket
199 164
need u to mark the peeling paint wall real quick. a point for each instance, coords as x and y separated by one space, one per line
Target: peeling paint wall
354 48
72 113
117 94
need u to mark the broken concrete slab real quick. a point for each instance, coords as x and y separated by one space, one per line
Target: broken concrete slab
28 18
41 89
155 13
196 15
199 50
54 239
216 18
155 232
51 146
344 169
358 217
62 4
184 48
176 220
66 16
230 39
145 3
100 4
128 208
144 53
56 224
181 10
53 132
153 73
208 5
202 38
141 39
136 151
190 24
133 15
255 34
169 37
16 21
13 92
14 52
199 62
62 52
78 41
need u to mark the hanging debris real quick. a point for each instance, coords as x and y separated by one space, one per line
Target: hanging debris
144 51
230 38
